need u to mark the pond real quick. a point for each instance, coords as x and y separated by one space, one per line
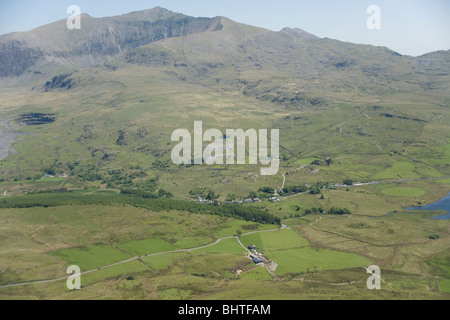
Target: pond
443 204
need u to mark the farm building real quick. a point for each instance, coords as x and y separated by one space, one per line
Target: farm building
203 201
274 199
252 247
257 260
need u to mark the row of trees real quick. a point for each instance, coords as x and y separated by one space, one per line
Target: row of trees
205 193
315 188
136 199
146 194
333 210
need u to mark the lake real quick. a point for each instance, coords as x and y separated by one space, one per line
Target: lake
443 204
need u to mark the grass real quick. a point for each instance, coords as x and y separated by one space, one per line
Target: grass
71 235
90 257
230 246
150 102
187 242
258 273
157 111
444 285
253 239
312 260
147 246
215 265
121 270
403 192
231 227
302 162
269 241
398 242
293 254
163 261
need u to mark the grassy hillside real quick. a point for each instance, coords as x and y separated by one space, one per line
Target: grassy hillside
97 121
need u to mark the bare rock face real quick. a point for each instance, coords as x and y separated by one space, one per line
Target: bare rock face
16 58
98 41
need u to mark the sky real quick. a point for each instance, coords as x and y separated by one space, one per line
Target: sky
410 27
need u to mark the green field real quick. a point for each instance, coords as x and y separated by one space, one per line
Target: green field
148 246
119 271
230 246
163 261
365 113
318 249
279 240
403 192
311 260
293 254
90 257
258 273
444 285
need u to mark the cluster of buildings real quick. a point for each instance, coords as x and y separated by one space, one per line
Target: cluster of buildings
257 257
274 199
63 175
245 201
203 201
255 200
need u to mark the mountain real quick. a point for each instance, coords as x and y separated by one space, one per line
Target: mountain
86 126
208 47
132 79
97 42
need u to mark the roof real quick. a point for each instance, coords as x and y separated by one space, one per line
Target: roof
257 260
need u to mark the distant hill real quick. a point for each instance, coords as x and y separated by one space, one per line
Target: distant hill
99 39
118 88
216 51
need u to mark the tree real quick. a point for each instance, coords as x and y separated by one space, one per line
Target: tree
212 195
267 190
317 162
339 211
164 194
348 182
50 171
253 195
314 190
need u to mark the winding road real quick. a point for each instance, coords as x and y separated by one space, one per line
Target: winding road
139 257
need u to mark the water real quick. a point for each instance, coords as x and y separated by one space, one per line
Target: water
9 131
443 204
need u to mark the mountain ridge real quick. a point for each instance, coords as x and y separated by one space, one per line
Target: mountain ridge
105 37
212 51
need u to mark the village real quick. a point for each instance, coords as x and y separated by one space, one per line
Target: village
200 200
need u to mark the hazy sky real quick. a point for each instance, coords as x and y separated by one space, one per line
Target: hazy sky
411 27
